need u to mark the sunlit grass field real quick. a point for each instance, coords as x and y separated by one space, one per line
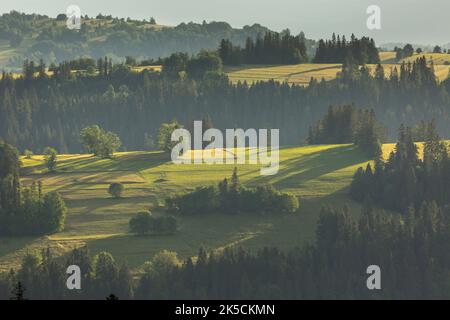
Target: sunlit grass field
6 52
318 175
387 56
301 74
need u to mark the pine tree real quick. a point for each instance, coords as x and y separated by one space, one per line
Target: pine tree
18 292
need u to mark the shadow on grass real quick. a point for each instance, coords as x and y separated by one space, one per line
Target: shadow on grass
216 231
12 244
127 162
306 167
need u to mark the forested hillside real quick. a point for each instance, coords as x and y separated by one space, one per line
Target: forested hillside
35 37
36 112
89 173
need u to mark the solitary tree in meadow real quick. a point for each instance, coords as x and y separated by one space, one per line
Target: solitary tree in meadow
28 154
50 156
99 142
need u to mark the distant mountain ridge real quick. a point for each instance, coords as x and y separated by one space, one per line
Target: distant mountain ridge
35 37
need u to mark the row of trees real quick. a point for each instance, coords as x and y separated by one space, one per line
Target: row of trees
26 210
51 111
346 124
406 180
273 48
230 197
339 50
43 276
412 252
54 43
408 51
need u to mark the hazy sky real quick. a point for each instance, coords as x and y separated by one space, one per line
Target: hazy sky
416 21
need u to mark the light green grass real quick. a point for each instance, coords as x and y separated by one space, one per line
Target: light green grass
317 174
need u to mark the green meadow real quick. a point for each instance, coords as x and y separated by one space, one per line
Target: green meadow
318 175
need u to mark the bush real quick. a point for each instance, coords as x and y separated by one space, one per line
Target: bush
233 198
140 223
144 223
201 200
116 190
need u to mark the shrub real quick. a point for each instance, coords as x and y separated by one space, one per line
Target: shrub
116 190
50 156
140 223
145 223
28 154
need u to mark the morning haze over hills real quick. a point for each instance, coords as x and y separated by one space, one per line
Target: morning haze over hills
405 21
87 175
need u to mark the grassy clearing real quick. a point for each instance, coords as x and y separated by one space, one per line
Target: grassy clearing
299 74
6 52
387 56
442 72
317 174
149 68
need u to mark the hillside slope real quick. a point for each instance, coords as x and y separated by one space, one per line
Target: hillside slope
317 174
35 37
301 74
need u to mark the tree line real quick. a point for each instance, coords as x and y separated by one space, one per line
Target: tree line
42 275
346 124
272 48
51 111
339 50
405 180
411 250
26 210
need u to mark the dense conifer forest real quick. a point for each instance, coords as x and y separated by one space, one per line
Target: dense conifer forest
413 253
273 48
40 111
405 181
120 84
339 50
